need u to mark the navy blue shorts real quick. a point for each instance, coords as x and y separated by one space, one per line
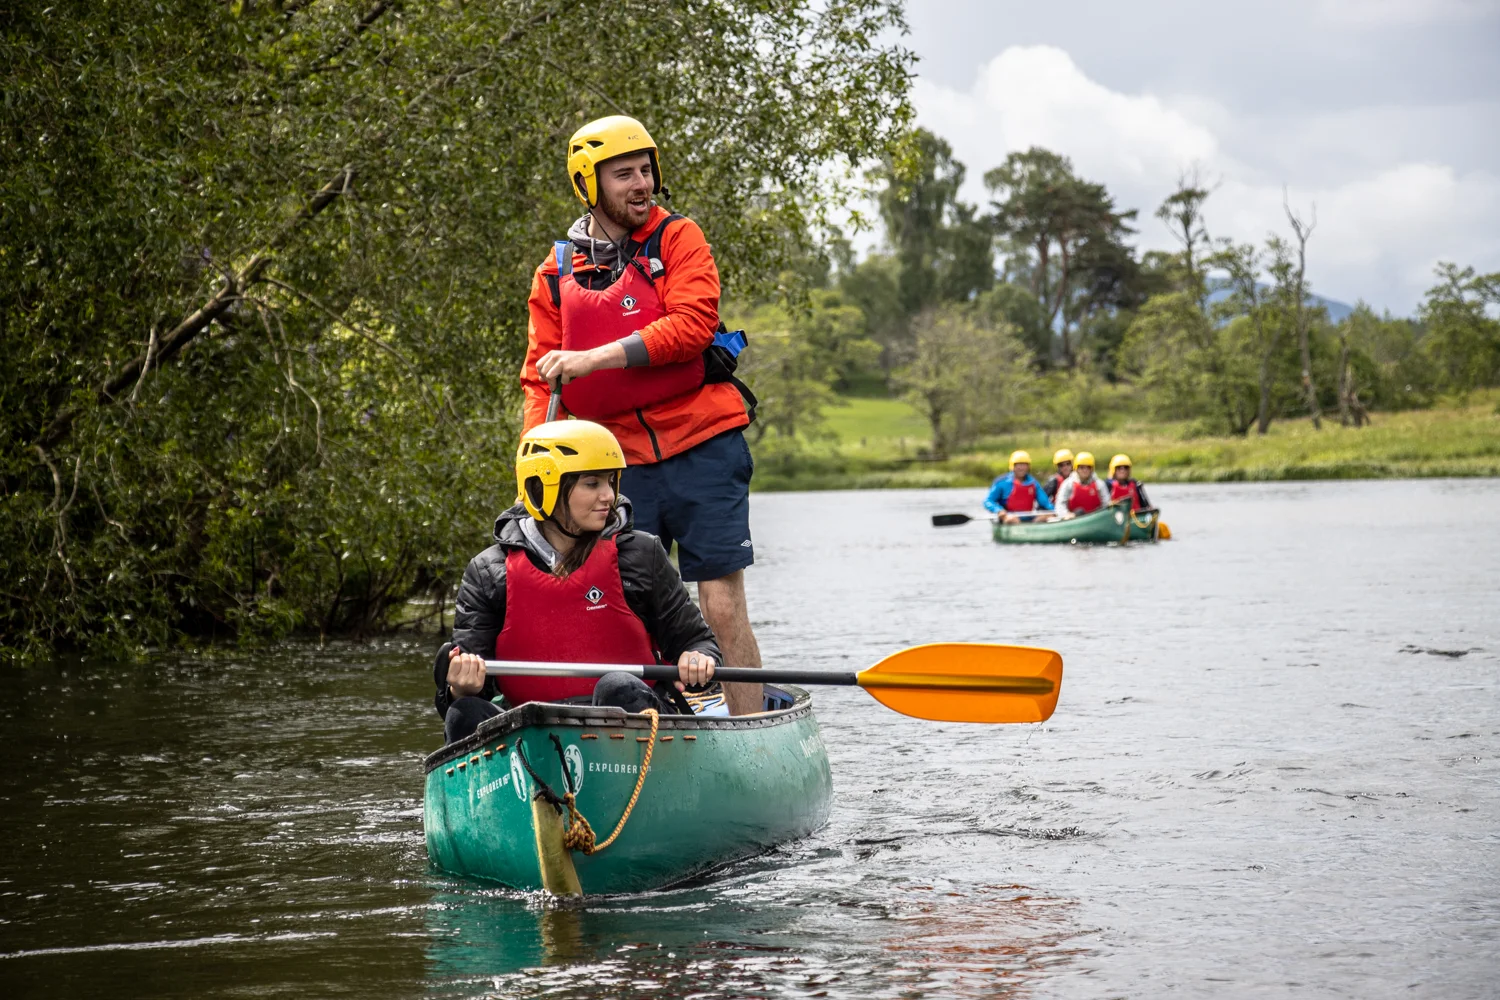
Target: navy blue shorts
701 500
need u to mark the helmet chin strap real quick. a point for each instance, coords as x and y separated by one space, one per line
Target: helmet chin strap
558 525
619 250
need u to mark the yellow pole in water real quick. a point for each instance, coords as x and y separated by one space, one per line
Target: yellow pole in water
559 877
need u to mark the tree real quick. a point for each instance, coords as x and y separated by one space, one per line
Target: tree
967 376
1182 211
1263 310
1190 367
1067 234
1301 232
265 267
1462 338
940 250
1014 305
944 252
796 356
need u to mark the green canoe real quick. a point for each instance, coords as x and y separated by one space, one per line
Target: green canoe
1115 523
717 790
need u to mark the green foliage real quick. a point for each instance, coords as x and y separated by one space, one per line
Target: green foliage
1462 338
1066 241
265 268
965 375
796 358
1015 305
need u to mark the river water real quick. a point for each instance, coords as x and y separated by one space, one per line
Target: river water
1274 771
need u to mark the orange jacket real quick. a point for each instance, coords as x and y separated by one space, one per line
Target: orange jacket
690 293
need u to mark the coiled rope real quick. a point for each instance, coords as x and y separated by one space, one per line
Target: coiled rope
579 835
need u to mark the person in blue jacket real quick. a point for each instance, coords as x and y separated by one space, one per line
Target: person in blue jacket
1017 492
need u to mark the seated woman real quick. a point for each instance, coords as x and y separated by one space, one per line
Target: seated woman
1122 484
569 580
1082 492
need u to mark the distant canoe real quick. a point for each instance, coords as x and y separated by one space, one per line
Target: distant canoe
1115 523
718 789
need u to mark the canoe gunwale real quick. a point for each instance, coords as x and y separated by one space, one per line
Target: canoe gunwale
537 713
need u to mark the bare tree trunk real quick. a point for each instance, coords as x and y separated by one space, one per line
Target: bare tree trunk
1263 410
1062 291
1346 417
1352 412
1302 231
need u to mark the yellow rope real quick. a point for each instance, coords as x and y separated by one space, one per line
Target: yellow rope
579 835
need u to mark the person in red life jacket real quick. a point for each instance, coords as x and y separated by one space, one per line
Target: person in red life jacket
625 314
569 580
1062 460
1017 492
1083 491
1121 485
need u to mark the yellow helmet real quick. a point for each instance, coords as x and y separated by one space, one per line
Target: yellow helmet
552 450
1084 458
602 140
1019 456
1116 462
1061 455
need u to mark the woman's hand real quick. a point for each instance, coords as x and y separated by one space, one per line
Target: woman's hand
465 673
694 670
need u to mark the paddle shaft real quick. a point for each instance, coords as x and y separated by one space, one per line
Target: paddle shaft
668 672
553 399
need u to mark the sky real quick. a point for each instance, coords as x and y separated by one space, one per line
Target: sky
1381 116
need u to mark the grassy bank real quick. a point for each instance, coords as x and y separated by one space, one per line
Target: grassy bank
880 443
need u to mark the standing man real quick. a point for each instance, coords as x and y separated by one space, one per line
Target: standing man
622 315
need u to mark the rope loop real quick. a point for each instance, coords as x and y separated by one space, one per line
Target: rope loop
579 836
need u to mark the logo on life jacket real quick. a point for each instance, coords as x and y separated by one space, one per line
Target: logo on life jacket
629 303
594 596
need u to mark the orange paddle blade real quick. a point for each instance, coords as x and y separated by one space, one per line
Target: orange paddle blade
968 682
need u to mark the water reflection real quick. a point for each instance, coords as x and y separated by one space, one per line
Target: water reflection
753 937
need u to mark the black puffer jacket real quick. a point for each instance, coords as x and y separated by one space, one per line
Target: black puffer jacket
653 590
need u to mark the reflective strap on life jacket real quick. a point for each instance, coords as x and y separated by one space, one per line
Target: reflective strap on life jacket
580 619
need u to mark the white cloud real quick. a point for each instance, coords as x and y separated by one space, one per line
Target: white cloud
1384 220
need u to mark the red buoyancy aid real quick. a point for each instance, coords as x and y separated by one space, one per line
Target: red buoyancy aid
594 317
1118 489
1022 496
1086 497
580 619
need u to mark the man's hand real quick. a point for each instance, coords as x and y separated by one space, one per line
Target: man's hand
465 673
568 365
694 670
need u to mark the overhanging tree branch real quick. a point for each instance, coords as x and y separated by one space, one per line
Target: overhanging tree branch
195 323
235 284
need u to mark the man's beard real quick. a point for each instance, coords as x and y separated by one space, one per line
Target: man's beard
617 213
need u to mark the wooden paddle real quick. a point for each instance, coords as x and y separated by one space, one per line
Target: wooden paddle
941 681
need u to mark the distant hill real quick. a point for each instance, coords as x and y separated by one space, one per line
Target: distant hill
1218 290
